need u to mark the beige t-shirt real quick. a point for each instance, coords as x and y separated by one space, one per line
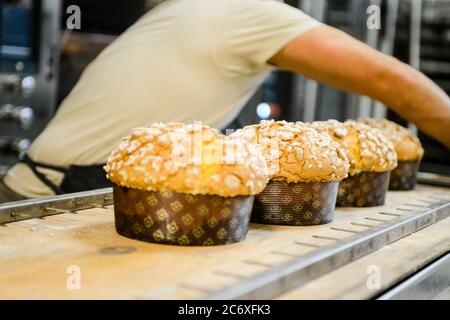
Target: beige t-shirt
185 61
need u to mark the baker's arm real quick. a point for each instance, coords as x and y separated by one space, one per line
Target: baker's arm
330 56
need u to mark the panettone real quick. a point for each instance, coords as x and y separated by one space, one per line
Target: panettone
407 145
187 159
297 152
367 149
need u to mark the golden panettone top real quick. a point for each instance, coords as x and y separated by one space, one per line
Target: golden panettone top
187 159
296 152
367 149
407 145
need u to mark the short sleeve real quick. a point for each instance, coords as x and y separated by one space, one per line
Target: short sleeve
250 32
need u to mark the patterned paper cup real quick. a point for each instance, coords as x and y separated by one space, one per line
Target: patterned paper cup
295 204
181 219
404 176
367 189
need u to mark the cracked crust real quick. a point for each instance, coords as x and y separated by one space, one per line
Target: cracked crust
296 152
367 149
407 145
187 159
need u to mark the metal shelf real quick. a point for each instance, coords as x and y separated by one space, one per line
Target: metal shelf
273 259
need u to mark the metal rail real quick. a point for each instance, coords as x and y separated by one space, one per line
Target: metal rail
433 282
282 278
39 208
433 179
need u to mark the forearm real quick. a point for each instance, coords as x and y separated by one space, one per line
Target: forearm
415 97
334 58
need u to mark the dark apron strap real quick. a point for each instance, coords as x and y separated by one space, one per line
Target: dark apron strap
76 178
84 178
34 167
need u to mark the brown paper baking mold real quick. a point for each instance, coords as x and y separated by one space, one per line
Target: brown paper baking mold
367 189
404 176
181 219
295 204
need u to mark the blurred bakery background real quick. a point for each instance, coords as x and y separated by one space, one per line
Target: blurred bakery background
40 62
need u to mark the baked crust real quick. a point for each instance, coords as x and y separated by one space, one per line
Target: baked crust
367 149
297 152
187 159
407 145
